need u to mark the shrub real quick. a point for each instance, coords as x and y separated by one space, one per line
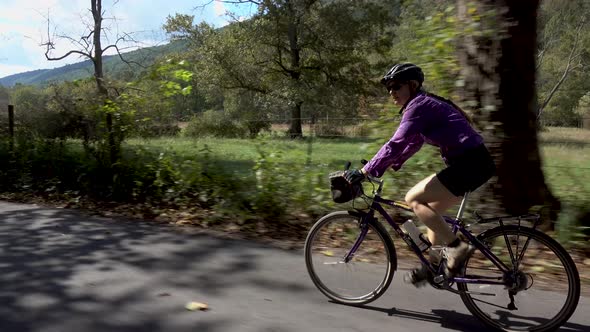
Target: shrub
214 124
152 130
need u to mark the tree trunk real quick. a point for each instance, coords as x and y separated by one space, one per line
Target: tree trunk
295 129
97 58
499 73
99 78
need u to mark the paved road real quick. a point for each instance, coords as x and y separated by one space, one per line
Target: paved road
62 272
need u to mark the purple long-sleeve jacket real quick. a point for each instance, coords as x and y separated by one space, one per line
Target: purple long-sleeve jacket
425 119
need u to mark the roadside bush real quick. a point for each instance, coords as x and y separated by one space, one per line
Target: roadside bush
159 178
250 109
573 226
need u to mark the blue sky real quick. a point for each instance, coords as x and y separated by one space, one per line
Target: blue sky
23 25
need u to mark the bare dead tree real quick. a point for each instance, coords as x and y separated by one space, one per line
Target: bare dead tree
90 47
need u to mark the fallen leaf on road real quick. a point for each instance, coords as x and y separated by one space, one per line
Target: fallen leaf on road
192 306
328 253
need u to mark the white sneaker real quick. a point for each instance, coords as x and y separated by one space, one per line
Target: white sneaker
456 256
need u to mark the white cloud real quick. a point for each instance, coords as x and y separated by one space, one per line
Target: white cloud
23 26
219 8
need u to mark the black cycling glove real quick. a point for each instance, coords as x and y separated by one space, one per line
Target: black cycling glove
354 176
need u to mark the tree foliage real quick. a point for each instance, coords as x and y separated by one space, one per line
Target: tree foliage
563 60
427 35
305 55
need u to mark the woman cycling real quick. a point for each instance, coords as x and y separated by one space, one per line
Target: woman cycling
439 122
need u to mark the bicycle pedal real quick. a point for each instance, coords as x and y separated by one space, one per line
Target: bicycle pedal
439 279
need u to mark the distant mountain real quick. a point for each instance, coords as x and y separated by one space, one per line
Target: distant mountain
113 66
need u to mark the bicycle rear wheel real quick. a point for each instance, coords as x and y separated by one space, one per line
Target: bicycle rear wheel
543 281
362 279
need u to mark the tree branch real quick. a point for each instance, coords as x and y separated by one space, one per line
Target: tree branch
128 62
65 55
567 70
541 54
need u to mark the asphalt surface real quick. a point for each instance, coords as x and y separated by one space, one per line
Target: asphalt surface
61 272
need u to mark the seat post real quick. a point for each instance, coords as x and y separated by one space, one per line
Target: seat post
462 206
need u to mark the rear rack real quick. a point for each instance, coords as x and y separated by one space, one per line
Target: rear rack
533 217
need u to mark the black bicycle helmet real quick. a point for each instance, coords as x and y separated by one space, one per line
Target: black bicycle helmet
404 72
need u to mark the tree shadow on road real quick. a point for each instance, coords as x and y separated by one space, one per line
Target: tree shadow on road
60 271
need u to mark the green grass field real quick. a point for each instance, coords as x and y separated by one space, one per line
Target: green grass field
293 151
566 157
565 152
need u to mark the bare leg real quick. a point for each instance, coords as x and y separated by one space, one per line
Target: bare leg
429 199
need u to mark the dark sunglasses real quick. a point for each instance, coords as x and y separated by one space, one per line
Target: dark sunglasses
394 86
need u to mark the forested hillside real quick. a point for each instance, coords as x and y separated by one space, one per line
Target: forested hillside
139 63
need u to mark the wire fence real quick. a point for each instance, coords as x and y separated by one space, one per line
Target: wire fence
335 127
581 123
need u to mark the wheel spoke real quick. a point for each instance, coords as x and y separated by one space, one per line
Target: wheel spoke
509 246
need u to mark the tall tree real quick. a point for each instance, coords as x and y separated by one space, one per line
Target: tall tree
497 55
297 50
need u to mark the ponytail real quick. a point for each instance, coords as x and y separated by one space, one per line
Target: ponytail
467 117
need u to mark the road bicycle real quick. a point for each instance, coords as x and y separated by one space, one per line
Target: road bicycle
517 279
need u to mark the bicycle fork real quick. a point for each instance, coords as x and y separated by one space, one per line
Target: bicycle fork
364 227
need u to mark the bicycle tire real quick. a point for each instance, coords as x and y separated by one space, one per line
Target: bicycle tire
382 236
545 321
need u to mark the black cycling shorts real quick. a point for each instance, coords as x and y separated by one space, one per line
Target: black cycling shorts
468 171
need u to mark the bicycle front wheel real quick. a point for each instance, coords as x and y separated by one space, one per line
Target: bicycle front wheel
541 290
362 279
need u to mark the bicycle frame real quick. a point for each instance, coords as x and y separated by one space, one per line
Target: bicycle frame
456 225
